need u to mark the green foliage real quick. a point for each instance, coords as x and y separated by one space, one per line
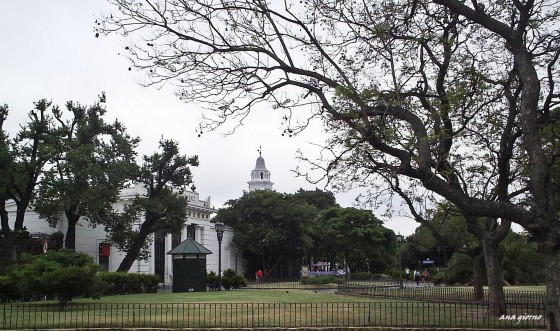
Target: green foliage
9 290
165 175
361 275
94 161
521 262
23 161
212 280
439 278
321 280
319 199
356 236
231 280
118 283
62 275
459 269
395 274
269 226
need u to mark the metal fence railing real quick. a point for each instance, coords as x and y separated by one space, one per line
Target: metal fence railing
436 294
255 315
298 284
286 285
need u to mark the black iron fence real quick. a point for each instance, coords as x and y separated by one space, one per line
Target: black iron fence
286 285
437 294
297 284
255 315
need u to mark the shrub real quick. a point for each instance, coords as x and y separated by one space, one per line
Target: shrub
8 289
439 278
62 275
396 274
321 280
212 280
459 269
232 280
118 283
361 276
376 276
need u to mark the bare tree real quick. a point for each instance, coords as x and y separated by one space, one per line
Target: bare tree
443 98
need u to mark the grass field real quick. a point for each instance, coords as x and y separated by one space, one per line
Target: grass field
231 296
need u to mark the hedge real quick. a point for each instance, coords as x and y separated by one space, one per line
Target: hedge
118 283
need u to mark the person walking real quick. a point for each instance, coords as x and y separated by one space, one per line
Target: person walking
258 275
417 277
426 276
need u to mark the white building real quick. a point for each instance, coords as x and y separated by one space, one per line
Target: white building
197 225
260 176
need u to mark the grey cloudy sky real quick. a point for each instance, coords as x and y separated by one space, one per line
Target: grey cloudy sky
48 50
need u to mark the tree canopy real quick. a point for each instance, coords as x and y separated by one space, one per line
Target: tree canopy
165 175
356 237
270 227
94 161
24 158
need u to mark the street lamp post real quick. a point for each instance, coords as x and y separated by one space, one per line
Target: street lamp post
220 228
399 239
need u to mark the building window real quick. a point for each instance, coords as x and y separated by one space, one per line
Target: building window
191 231
159 254
261 175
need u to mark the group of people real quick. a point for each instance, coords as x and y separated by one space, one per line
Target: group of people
424 277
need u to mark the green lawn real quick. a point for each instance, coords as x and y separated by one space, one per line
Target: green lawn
275 295
231 296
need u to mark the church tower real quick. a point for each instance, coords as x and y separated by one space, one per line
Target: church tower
260 176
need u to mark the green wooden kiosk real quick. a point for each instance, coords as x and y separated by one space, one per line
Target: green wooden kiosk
189 266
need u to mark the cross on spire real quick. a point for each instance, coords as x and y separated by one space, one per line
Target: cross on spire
259 150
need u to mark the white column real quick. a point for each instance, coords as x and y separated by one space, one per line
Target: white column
168 262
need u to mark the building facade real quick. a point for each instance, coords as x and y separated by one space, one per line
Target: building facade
198 226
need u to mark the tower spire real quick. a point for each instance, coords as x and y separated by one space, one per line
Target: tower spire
260 176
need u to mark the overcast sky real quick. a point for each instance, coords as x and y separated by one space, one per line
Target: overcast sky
48 50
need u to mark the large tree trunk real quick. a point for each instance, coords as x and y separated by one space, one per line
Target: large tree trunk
478 277
70 241
496 297
135 248
552 309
